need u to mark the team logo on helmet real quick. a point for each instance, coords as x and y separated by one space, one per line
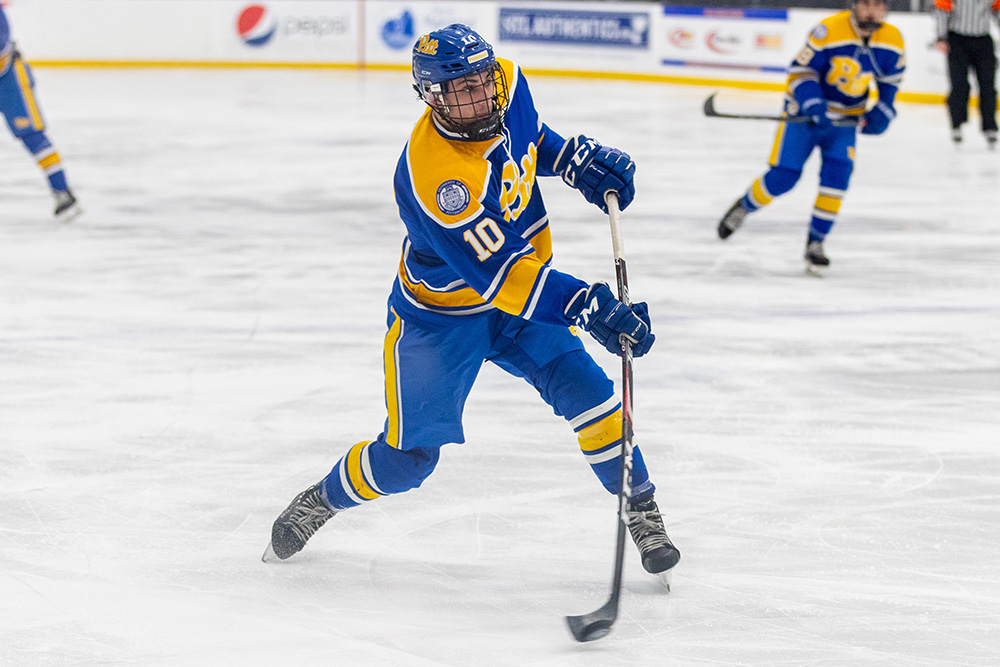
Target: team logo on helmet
453 197
427 45
256 25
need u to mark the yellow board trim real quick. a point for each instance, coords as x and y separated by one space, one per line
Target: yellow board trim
392 404
916 97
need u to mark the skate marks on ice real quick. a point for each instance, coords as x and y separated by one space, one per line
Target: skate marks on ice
205 340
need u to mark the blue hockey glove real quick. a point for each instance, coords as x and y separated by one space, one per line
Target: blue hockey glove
606 318
594 170
815 108
877 118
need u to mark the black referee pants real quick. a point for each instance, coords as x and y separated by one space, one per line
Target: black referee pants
966 52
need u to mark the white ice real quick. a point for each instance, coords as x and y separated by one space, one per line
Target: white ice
206 341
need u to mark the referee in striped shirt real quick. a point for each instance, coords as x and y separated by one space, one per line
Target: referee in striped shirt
963 29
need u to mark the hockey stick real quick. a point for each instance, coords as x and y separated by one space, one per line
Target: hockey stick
597 624
710 111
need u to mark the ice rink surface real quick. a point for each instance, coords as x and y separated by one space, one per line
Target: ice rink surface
206 341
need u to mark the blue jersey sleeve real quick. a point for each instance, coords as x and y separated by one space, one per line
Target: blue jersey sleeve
804 72
4 31
550 144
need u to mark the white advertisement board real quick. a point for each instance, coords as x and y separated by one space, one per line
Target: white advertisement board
392 27
295 31
735 39
207 31
701 45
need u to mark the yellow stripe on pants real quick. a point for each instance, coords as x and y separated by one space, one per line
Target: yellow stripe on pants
392 389
29 97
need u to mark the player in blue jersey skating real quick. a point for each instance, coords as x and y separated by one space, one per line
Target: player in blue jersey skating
829 82
475 283
24 117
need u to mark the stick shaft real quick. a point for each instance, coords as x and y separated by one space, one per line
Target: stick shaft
621 272
711 112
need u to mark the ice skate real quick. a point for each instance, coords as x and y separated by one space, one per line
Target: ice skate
991 139
732 220
292 529
659 555
816 259
956 136
66 206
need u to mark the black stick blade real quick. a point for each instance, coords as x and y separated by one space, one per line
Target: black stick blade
709 107
596 624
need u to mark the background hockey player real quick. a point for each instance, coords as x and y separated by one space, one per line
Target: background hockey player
829 82
475 284
24 117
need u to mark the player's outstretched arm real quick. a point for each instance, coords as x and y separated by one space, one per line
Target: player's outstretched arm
595 170
599 313
877 119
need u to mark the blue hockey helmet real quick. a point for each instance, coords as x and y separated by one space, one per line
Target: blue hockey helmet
457 75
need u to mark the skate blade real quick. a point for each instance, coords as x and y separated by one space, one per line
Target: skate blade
69 214
815 270
665 578
269 555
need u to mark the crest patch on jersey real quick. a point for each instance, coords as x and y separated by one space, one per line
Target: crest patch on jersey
819 32
452 197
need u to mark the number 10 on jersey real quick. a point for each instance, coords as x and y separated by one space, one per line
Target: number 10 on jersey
487 239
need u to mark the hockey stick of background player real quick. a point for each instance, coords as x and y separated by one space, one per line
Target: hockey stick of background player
712 113
597 624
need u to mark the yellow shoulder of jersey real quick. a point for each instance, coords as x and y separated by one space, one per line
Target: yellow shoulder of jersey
510 72
449 177
833 30
888 37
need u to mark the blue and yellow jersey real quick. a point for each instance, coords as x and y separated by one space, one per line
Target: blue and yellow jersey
5 44
477 231
840 66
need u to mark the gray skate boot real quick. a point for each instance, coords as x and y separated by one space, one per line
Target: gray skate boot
292 529
66 206
816 259
732 220
659 555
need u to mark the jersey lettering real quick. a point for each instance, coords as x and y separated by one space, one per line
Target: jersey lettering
518 184
846 76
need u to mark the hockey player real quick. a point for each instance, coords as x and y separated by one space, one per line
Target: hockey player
475 284
24 117
829 82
